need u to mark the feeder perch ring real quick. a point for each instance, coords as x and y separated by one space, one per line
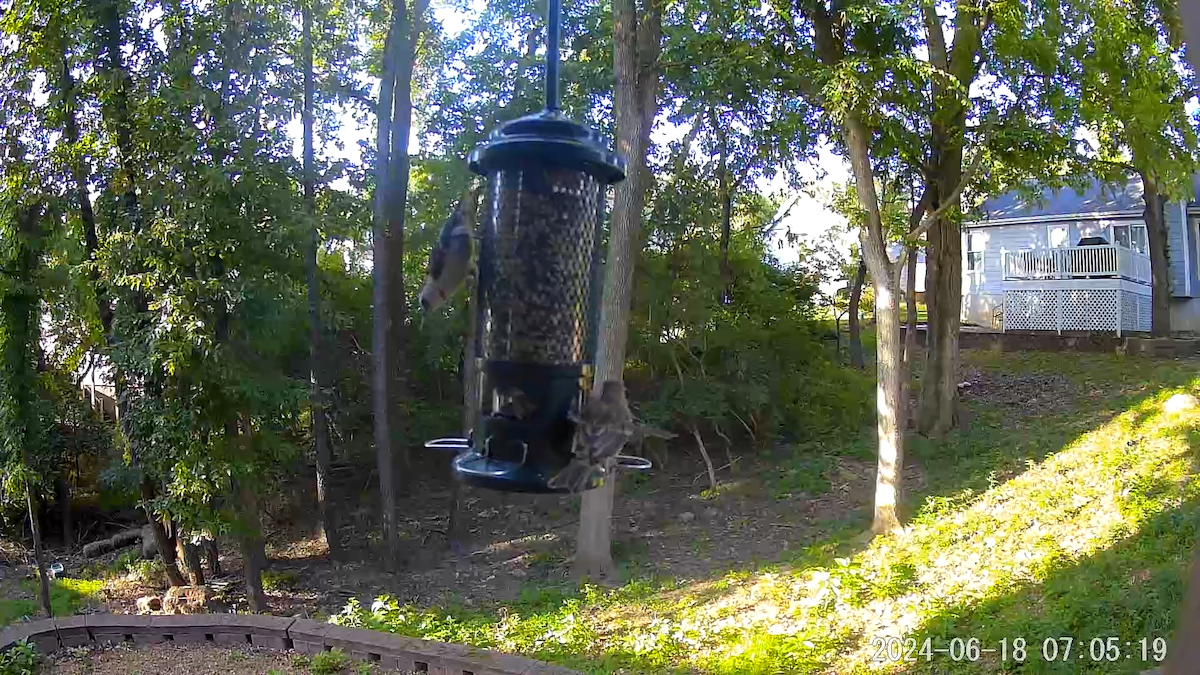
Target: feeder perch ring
632 463
456 444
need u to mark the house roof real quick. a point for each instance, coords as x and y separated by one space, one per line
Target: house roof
1098 198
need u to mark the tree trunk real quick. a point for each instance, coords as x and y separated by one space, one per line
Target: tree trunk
395 121
318 379
253 556
853 321
39 556
1160 267
888 486
889 406
910 336
726 211
637 43
190 554
166 548
408 25
213 558
62 496
943 301
381 298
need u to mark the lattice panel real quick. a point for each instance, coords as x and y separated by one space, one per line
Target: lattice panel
1075 310
1129 311
1089 310
1030 310
1144 312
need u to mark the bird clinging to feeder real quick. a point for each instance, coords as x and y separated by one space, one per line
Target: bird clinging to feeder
449 262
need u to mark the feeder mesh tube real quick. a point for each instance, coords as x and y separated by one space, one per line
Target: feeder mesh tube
536 271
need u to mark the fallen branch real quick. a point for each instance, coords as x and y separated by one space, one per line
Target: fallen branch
712 474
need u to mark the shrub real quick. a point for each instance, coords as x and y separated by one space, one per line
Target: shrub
327 663
21 659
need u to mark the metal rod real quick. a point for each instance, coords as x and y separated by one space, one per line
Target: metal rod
553 21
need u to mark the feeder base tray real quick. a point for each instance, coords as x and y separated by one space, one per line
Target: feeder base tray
495 474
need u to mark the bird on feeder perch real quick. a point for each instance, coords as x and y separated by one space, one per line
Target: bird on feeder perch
602 430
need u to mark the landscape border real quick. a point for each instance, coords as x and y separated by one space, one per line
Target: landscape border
303 635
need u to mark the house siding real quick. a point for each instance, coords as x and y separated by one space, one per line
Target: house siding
1177 248
1193 245
983 291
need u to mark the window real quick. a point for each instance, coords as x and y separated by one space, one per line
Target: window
1058 236
974 252
1121 235
1139 241
1131 236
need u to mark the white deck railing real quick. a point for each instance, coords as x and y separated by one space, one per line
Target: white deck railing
1077 262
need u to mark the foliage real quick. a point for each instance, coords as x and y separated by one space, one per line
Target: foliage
1147 129
273 580
20 659
328 663
703 362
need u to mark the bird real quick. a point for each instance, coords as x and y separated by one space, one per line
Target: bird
602 429
449 262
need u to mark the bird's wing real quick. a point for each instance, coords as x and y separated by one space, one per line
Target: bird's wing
452 223
437 262
606 441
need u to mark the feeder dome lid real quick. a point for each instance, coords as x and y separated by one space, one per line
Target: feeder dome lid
551 139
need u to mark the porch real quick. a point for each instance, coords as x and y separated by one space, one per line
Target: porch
1077 288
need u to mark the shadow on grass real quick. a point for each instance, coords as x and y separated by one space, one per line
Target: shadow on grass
1130 591
999 446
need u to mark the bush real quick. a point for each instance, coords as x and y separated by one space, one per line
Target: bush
275 581
327 663
754 365
21 659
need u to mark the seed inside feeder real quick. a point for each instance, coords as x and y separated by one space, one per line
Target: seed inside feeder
537 251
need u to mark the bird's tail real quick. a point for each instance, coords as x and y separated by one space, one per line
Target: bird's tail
576 476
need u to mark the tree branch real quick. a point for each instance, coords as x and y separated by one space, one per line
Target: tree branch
934 36
968 175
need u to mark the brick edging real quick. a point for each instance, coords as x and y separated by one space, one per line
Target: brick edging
310 637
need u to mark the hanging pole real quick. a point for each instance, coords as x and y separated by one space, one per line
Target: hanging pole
553 21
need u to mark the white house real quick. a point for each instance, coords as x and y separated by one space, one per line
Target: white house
1073 261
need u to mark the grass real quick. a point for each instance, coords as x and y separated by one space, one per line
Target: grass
1074 522
67 596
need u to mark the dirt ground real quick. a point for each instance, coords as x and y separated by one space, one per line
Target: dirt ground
662 524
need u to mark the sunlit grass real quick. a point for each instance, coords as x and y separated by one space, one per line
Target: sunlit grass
1074 523
67 596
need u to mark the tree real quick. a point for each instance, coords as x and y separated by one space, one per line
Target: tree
864 70
388 345
317 358
21 431
1146 131
637 38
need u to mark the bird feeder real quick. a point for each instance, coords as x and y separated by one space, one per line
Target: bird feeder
539 283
